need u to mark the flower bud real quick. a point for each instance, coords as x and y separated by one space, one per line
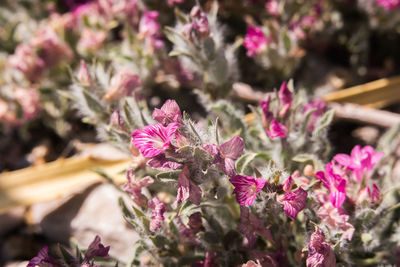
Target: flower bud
122 84
83 74
309 170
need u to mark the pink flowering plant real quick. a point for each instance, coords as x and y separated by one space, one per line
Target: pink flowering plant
207 192
213 181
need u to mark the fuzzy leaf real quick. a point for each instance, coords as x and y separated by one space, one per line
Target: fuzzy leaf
243 162
303 158
169 176
324 122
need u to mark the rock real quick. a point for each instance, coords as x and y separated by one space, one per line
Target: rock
17 264
92 212
368 134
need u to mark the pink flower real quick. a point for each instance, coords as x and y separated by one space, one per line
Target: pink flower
187 235
42 259
320 252
255 41
374 195
319 106
172 2
123 83
267 115
198 28
187 189
26 60
335 184
273 127
336 219
29 100
272 7
91 40
287 185
149 29
388 4
294 202
246 188
154 139
285 98
168 113
51 48
134 187
161 163
157 215
225 154
361 161
96 249
276 129
251 227
117 121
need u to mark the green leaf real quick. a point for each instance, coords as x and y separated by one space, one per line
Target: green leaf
168 176
68 258
180 16
128 215
243 162
93 103
159 241
324 122
286 41
303 158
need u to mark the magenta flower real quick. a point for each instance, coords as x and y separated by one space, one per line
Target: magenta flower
226 153
96 249
157 215
267 115
294 202
319 106
26 61
123 83
373 196
255 41
360 161
272 7
43 259
168 113
320 252
172 2
149 29
335 184
276 129
199 27
251 227
187 235
285 98
388 4
187 189
287 185
51 48
154 139
91 40
134 187
273 127
246 188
